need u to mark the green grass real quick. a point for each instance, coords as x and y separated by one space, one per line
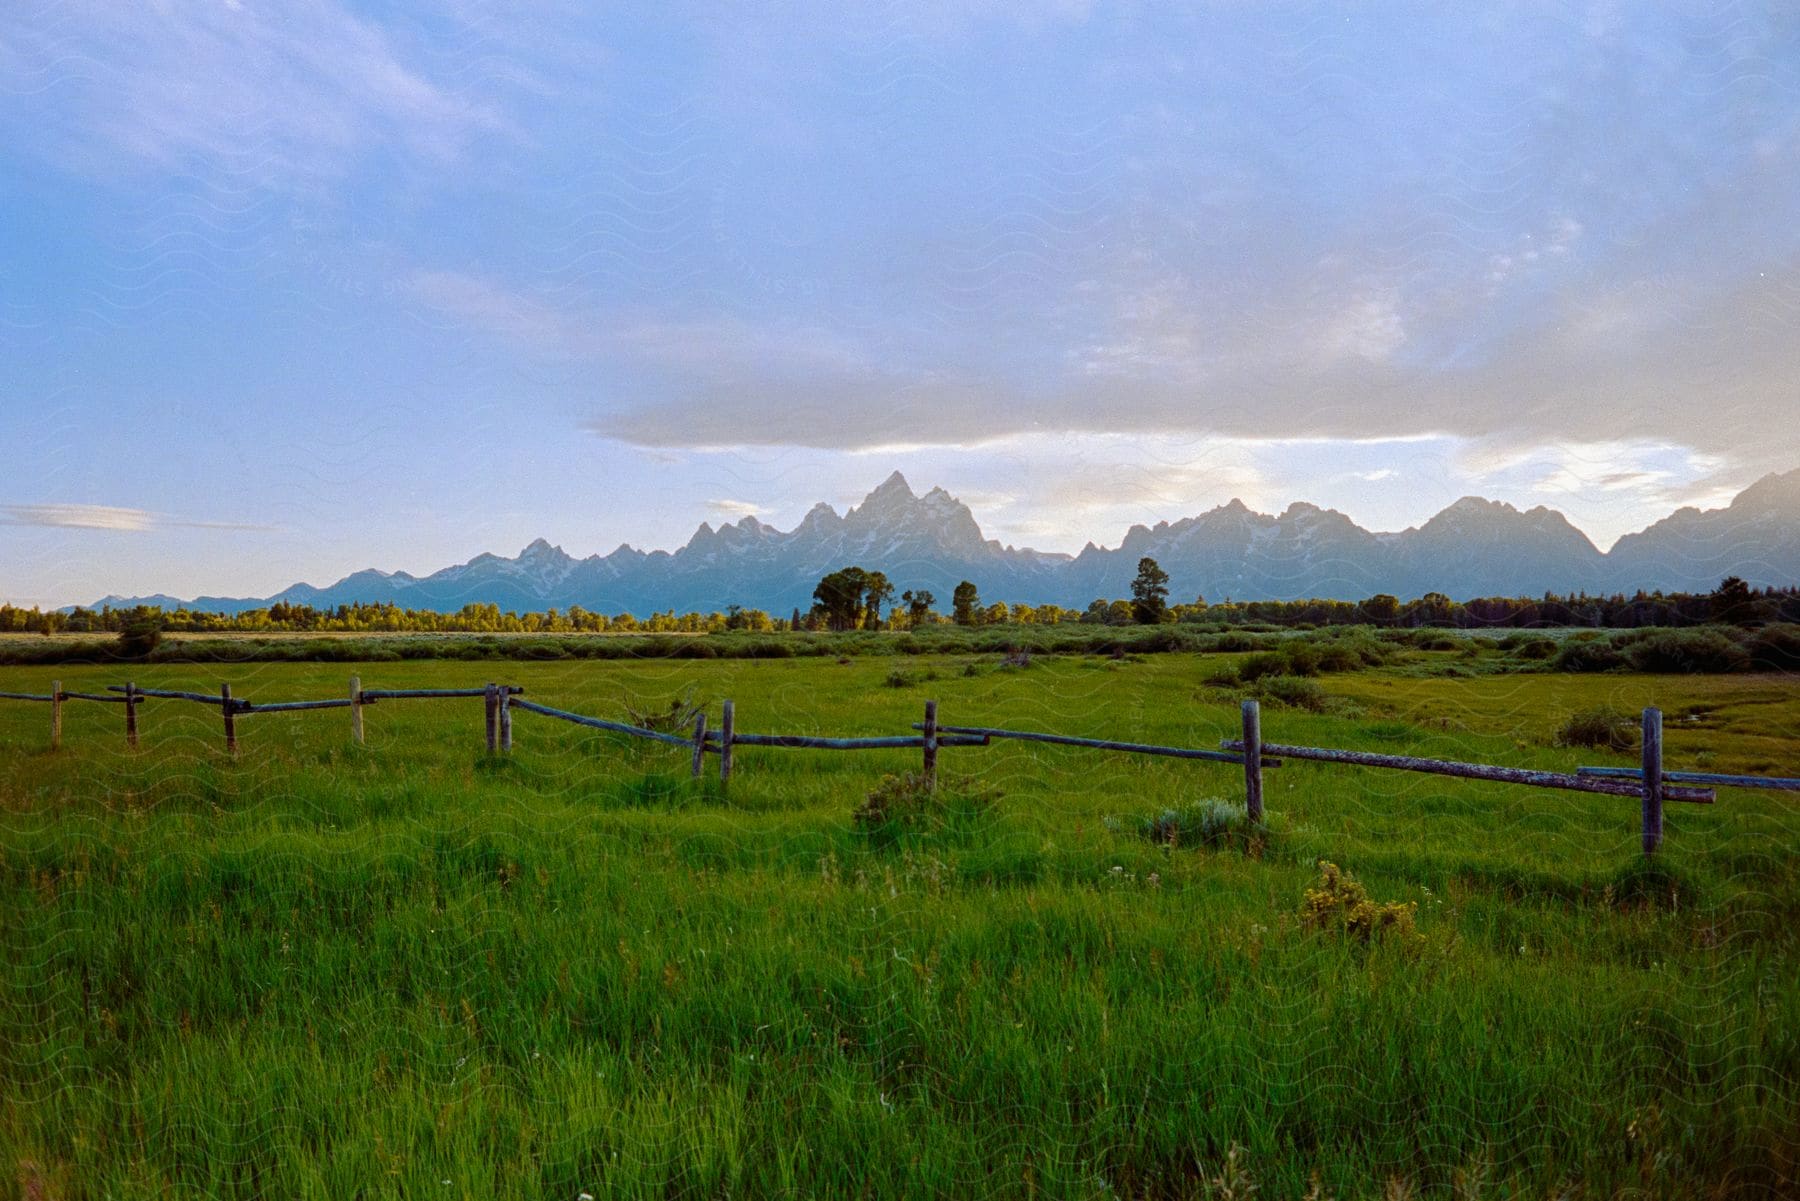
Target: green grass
328 971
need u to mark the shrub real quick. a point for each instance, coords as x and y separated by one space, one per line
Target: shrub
1602 728
1208 823
907 804
1293 691
898 679
138 639
1582 654
1302 659
1269 663
1340 905
678 718
1686 651
1532 648
1774 648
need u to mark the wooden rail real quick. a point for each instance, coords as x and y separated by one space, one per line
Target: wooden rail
808 742
1474 771
600 723
1718 779
1098 744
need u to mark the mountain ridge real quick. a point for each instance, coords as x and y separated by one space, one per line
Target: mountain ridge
1472 547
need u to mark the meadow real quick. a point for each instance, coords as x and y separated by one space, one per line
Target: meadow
412 969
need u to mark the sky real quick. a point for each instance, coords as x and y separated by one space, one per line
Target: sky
297 287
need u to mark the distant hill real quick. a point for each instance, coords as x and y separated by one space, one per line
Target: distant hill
1473 548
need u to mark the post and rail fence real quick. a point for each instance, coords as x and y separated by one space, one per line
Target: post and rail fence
1649 782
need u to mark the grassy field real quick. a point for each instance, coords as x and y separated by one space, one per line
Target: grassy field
408 970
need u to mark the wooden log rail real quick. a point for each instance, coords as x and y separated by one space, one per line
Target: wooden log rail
371 695
1475 771
598 723
1100 744
1717 779
807 742
170 694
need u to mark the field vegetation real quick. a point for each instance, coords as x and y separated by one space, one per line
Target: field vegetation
411 969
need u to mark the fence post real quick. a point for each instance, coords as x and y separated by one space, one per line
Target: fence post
506 721
931 744
56 715
699 744
1653 780
492 702
225 706
130 714
356 722
726 726
1253 790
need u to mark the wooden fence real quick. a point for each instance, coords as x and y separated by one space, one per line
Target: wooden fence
1650 783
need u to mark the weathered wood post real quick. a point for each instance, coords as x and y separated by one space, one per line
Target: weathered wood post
1653 780
1253 792
931 744
130 714
56 715
699 744
356 720
230 712
726 725
491 699
506 720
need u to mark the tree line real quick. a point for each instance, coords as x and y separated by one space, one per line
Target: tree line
853 598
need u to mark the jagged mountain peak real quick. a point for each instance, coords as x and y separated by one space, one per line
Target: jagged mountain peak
541 548
1474 547
1777 492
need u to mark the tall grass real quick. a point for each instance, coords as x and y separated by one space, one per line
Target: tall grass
322 970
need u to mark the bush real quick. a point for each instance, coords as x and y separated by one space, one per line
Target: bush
1583 655
1604 729
1340 905
138 639
1209 823
1774 648
1534 649
898 679
1269 663
1292 691
907 804
1686 651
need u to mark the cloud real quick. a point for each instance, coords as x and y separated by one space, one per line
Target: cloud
108 517
734 509
291 90
80 517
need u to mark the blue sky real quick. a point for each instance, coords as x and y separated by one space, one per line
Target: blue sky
291 289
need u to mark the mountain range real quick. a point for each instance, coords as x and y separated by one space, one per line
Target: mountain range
1474 547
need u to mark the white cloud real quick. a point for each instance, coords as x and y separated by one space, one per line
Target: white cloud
288 90
1368 328
734 509
107 517
80 517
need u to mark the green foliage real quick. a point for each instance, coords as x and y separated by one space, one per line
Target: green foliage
909 804
139 640
965 604
436 966
1212 823
1588 655
1338 904
1149 593
1296 692
1601 728
1675 651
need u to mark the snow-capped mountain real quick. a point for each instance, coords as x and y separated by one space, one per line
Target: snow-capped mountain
1473 548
